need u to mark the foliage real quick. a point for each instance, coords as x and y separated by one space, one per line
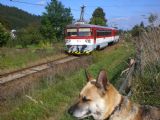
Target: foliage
98 17
152 18
55 20
16 18
29 35
17 58
58 93
44 44
146 88
26 25
4 36
147 46
146 85
5 23
137 29
142 24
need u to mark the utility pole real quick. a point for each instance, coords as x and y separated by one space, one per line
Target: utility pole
82 14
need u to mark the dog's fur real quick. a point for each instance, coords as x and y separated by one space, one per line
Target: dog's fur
102 101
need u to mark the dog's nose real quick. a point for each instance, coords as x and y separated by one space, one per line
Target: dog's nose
70 110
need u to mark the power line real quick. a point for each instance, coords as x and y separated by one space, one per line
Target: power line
125 6
102 6
27 3
75 10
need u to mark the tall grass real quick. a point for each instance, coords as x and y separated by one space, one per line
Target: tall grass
16 58
146 83
55 94
148 48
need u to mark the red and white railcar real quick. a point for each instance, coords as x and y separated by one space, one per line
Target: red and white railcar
84 38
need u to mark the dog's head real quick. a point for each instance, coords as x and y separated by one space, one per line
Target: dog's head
94 98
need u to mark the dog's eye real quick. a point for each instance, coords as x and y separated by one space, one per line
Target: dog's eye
84 99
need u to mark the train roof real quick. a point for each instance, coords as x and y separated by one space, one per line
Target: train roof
89 25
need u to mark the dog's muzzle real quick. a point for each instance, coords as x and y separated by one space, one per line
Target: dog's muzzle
71 110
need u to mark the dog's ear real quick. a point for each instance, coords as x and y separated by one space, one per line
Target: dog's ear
88 76
102 81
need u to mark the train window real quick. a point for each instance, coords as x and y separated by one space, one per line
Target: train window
104 32
108 32
84 32
72 32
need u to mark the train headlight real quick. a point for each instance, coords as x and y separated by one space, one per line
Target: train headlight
88 41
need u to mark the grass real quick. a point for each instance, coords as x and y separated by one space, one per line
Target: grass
146 88
52 99
146 82
15 58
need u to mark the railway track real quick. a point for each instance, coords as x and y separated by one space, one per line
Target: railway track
7 77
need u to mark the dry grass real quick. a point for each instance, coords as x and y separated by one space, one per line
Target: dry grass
146 83
148 48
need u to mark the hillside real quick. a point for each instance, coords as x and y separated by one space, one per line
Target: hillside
14 18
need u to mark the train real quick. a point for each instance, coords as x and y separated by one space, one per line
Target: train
84 38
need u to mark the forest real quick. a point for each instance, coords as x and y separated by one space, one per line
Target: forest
14 18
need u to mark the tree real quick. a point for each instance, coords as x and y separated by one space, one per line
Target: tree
152 18
4 36
55 20
98 17
136 30
14 18
142 24
5 23
29 35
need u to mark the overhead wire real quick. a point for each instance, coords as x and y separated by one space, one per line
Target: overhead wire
36 4
88 14
27 3
153 5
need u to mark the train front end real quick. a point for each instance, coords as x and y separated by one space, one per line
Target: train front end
79 40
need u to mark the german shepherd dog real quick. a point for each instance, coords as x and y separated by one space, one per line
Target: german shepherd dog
102 101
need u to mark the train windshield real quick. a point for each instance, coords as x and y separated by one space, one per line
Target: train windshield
79 32
72 32
84 32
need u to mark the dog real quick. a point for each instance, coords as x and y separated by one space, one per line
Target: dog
100 100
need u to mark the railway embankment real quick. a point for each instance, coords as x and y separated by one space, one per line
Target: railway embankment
16 83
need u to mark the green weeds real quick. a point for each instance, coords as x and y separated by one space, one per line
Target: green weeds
15 58
51 101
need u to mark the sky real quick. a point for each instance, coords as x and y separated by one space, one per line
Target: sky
123 14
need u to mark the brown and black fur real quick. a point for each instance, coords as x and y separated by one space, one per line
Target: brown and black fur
102 101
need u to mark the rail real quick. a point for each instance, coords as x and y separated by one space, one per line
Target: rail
7 77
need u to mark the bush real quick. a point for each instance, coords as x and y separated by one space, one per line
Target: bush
4 36
29 35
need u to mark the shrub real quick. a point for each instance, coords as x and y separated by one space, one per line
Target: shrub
29 35
4 36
